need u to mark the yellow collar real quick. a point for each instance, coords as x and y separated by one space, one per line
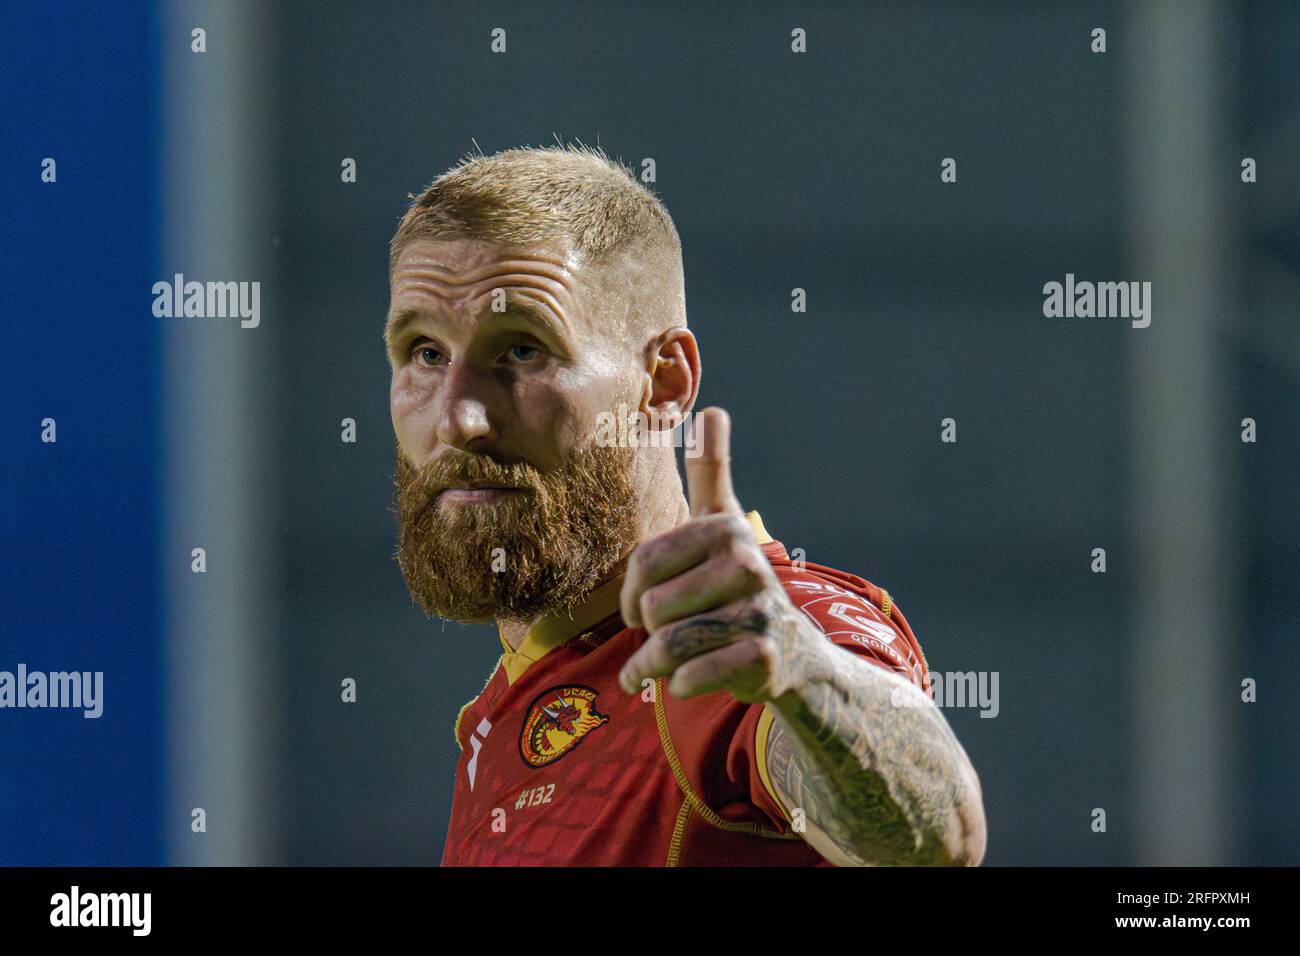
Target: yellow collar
558 627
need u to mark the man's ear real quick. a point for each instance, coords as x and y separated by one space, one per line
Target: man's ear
674 377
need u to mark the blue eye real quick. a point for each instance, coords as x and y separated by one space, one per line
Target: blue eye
528 348
422 353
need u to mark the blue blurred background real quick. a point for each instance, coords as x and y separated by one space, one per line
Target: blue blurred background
819 171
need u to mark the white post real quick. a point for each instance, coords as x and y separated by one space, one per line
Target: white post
222 726
1178 202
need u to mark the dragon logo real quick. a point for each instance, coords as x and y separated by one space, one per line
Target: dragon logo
556 721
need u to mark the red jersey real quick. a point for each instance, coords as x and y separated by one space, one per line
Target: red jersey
560 767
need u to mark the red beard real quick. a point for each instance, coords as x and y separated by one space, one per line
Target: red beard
526 554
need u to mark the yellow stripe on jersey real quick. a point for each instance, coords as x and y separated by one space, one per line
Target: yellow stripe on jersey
760 755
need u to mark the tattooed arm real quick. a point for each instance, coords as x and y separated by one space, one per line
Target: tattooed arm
873 766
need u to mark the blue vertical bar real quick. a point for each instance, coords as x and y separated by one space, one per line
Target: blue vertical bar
80 518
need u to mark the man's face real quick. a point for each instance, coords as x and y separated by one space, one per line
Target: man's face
507 402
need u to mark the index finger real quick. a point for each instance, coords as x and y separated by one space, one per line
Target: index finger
708 475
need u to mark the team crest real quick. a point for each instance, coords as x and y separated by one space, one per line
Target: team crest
556 722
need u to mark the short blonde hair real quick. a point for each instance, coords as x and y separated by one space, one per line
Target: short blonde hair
534 194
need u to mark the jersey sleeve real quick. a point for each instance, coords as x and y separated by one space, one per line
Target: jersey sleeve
850 619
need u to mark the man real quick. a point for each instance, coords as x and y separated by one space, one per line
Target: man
674 690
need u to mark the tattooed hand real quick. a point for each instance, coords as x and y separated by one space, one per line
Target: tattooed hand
717 616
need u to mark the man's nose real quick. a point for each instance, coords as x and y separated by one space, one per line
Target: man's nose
463 417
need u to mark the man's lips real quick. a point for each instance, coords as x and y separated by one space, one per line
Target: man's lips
477 492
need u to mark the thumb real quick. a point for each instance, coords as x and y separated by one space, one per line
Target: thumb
708 474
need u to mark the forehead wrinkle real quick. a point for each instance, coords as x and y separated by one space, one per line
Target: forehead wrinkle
542 292
517 304
553 287
556 268
524 295
539 309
